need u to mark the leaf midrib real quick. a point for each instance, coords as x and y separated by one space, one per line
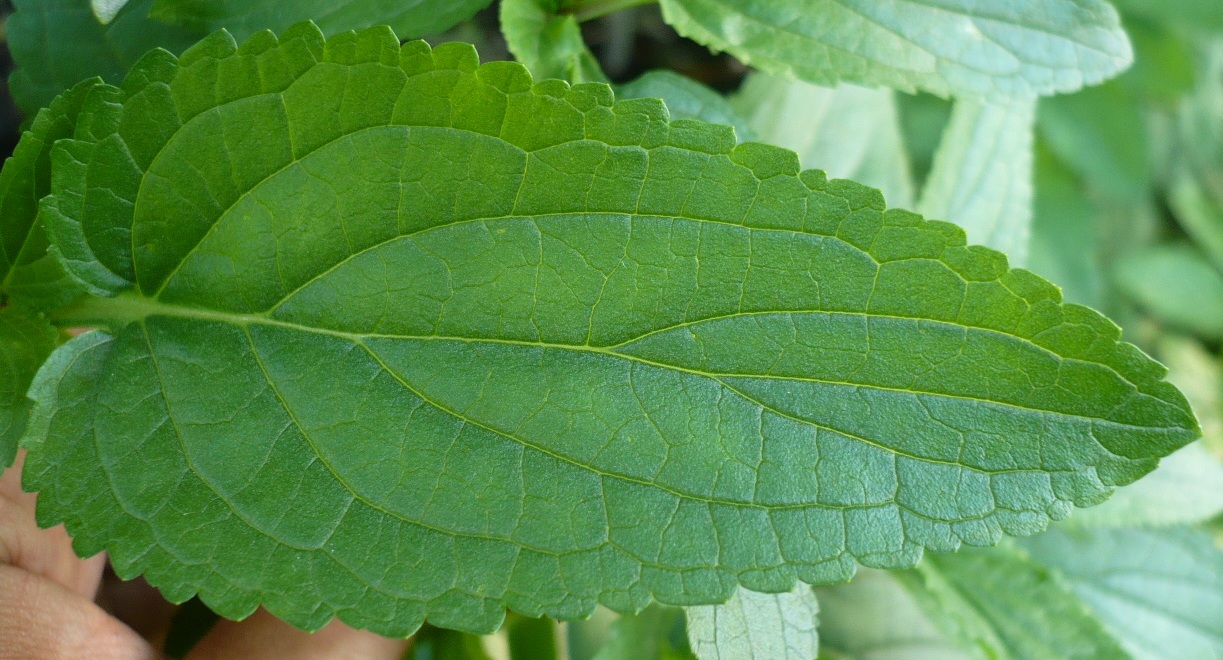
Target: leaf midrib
130 307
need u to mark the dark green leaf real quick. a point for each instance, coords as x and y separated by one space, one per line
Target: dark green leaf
57 43
433 340
26 339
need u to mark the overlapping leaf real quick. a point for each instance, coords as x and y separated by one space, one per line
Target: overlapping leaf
26 339
991 49
755 626
57 43
396 337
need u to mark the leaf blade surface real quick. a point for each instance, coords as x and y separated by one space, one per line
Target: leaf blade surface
674 301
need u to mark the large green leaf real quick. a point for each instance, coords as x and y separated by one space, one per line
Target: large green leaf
1004 605
26 339
980 48
1159 591
755 626
982 175
848 131
409 18
58 43
27 271
431 340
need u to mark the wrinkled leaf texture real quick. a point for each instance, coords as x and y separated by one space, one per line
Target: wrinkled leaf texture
396 337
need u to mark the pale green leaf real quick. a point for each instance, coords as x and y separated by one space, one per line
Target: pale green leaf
57 43
432 340
1199 374
874 617
982 175
243 18
26 339
27 272
105 10
1160 592
1004 605
757 626
850 132
549 44
1175 283
980 48
1200 214
1187 487
687 99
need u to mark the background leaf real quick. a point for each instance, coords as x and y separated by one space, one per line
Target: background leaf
549 44
58 43
1159 591
991 49
686 99
612 284
1004 605
1176 284
982 175
754 625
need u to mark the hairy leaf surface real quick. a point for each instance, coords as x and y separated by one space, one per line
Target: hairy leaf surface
27 272
433 340
979 48
1159 591
409 18
757 626
58 43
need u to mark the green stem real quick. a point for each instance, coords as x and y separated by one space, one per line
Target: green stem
588 10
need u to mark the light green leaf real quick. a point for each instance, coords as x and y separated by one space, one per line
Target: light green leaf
687 99
982 175
26 339
243 18
1187 487
992 49
1176 284
105 10
876 618
1159 591
502 344
27 272
548 43
754 625
58 43
1199 374
1004 605
850 132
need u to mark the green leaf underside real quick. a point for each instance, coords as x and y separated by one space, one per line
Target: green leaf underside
757 626
26 339
984 49
409 18
58 43
433 340
1005 605
1159 591
27 272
